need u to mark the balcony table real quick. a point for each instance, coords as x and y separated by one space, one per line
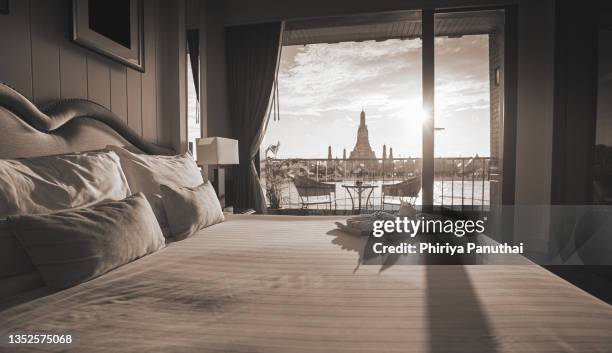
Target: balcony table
358 190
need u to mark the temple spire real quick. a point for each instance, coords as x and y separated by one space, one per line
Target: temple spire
362 118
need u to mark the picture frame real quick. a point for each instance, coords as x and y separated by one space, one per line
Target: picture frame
113 28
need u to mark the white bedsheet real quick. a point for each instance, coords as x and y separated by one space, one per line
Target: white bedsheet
286 284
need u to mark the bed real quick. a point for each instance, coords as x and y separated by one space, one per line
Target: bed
287 284
290 284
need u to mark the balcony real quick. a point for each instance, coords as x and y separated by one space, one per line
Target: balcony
459 182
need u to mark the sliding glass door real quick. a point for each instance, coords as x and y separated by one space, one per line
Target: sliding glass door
394 99
463 100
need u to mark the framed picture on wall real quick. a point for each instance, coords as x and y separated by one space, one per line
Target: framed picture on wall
113 28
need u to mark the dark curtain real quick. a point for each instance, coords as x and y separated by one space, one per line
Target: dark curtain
193 45
575 110
252 60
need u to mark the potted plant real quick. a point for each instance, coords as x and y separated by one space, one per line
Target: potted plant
274 178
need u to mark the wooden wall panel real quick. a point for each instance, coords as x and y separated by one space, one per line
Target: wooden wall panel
173 73
159 39
73 73
98 80
15 46
134 100
73 58
45 32
149 78
39 59
118 91
179 142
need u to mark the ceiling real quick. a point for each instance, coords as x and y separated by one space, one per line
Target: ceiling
396 25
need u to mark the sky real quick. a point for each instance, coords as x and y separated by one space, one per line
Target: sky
323 87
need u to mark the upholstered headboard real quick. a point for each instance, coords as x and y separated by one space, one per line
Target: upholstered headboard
65 126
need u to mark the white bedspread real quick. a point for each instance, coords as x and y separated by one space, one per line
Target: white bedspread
287 284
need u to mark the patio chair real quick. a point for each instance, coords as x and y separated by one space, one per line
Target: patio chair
312 192
408 188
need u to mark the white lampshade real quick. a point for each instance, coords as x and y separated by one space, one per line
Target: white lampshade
217 151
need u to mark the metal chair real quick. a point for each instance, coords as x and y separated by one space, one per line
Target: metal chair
308 188
409 188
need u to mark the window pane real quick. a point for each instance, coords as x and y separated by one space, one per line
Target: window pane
346 108
469 69
194 129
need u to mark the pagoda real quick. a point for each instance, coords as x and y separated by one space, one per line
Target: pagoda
362 148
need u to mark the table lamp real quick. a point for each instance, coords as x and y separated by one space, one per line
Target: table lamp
217 152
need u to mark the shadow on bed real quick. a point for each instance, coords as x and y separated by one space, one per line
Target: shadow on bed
456 320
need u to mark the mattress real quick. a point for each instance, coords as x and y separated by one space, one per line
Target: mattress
293 284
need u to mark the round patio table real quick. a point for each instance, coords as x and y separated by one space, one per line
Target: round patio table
358 191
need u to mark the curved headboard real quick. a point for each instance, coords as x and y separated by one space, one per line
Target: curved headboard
71 125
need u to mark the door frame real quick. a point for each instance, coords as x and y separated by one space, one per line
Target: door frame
509 108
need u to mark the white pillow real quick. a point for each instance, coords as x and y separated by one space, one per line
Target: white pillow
191 209
45 184
145 173
72 246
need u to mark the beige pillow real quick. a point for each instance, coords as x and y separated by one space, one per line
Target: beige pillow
46 184
145 173
74 246
191 209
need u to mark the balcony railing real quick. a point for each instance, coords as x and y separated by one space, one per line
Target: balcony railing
458 181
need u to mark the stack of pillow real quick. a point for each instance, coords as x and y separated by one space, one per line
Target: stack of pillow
77 216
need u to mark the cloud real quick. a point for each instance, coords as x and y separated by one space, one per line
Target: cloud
323 87
326 77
